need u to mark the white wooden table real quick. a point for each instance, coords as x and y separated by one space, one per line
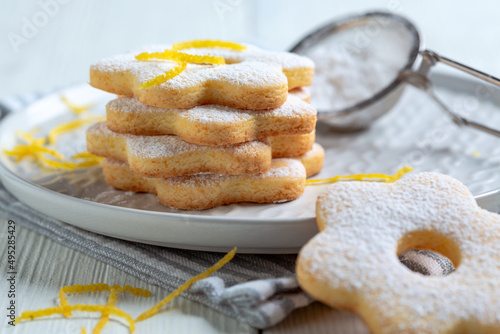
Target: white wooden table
57 53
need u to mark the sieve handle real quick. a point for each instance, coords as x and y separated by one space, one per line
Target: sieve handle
432 58
419 79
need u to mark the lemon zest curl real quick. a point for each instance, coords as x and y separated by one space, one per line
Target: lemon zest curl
376 177
209 43
182 59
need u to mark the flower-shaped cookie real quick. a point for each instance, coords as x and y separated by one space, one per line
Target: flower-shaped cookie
353 262
252 79
167 156
211 124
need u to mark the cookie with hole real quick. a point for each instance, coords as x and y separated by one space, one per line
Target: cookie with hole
353 262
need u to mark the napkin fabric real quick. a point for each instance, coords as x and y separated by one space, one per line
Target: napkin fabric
260 290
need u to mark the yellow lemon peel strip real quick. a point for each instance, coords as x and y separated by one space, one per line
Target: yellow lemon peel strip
76 108
31 315
63 301
67 165
182 57
113 296
364 177
166 76
154 310
65 308
33 147
70 126
208 43
88 160
137 291
100 287
36 149
85 155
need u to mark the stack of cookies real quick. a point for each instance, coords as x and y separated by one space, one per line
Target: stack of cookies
201 133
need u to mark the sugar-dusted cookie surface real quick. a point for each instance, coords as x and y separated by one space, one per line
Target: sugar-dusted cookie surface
283 182
210 124
353 262
252 79
167 156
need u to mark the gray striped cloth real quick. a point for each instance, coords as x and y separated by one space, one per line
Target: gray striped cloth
260 290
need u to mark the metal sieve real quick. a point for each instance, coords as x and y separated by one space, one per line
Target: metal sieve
413 66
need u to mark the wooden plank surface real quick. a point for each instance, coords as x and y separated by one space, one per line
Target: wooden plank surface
43 266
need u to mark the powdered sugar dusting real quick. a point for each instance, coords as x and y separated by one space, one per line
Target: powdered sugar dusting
356 252
206 114
286 60
285 168
349 72
152 147
280 168
343 80
253 67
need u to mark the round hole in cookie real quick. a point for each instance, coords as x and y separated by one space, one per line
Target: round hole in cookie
417 251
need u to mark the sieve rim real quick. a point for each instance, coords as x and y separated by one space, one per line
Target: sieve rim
318 35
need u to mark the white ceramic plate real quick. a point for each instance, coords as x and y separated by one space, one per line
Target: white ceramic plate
415 133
